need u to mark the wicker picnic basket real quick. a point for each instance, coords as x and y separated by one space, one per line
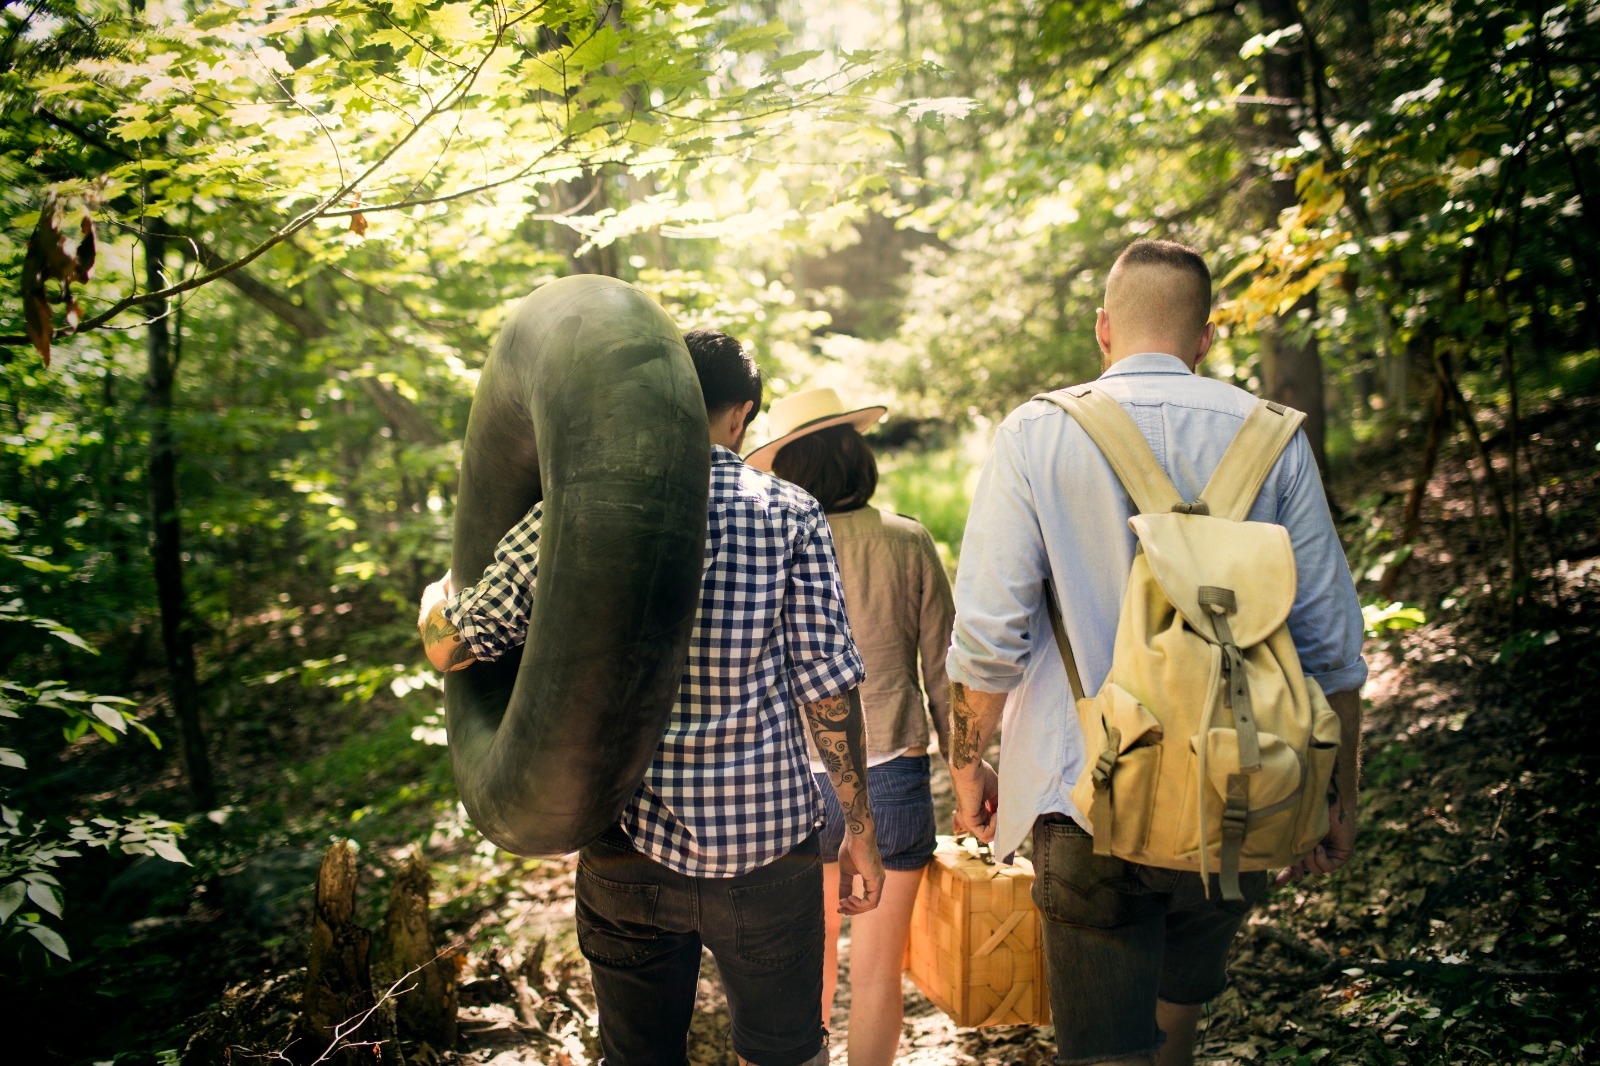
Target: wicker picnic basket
975 947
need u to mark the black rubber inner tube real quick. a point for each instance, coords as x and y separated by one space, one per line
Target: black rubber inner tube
589 402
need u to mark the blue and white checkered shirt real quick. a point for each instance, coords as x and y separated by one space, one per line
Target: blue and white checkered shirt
730 789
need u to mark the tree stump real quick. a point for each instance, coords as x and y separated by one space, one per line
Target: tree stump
408 964
338 997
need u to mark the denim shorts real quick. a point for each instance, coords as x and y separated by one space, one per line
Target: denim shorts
1118 935
902 811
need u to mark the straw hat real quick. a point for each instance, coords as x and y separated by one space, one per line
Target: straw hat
806 412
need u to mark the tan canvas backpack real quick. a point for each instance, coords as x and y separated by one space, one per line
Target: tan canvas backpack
1207 747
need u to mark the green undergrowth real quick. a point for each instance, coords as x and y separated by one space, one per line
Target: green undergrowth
933 486
1464 928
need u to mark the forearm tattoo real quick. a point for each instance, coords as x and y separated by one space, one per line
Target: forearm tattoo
438 630
964 749
840 734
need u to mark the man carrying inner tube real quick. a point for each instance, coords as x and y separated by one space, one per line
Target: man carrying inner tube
719 844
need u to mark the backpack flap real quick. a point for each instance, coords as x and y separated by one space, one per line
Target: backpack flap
1253 559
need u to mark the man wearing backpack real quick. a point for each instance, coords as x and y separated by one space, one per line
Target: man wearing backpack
1137 946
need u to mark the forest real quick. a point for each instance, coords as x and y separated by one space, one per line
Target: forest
254 253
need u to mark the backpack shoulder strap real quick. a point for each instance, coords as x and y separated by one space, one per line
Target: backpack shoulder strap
1064 646
1237 480
1120 441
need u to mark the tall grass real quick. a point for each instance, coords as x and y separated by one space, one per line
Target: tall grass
934 486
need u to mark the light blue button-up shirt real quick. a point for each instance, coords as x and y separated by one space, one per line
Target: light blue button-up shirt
1048 505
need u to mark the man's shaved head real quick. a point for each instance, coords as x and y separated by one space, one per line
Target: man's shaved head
1158 298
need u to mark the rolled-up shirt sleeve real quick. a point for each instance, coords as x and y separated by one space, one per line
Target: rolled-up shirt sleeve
492 614
1326 620
822 656
1000 581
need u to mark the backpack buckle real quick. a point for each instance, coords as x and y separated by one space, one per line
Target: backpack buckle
1107 760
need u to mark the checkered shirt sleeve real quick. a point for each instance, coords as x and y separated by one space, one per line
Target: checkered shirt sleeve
492 614
730 788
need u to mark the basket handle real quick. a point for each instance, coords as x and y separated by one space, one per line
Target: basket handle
982 852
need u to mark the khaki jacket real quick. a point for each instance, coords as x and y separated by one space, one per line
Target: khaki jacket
898 598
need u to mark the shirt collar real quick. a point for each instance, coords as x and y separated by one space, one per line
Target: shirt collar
1148 363
719 454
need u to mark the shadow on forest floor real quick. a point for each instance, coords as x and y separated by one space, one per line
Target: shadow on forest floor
1463 931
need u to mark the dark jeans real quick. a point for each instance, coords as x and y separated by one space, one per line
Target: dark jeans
1118 935
641 926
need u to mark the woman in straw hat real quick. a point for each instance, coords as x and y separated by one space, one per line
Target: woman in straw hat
900 609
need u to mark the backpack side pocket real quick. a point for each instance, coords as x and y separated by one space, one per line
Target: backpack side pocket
1322 752
1117 789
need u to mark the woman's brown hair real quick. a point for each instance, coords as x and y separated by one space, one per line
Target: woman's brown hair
835 465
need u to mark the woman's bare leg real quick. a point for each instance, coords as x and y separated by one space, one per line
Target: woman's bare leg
877 959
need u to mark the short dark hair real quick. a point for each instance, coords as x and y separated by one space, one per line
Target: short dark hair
835 465
1170 254
728 376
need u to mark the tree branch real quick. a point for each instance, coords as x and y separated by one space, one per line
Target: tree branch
295 225
301 319
1227 7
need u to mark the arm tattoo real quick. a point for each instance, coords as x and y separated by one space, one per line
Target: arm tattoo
963 729
437 632
840 734
437 628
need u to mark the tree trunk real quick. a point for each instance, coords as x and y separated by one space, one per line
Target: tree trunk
166 544
1291 371
1411 526
1291 366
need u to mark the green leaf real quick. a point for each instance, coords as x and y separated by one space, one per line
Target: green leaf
150 736
135 129
792 61
453 22
110 717
169 851
45 897
12 759
69 636
219 16
43 566
584 121
756 38
11 898
393 36
51 940
546 73
189 115
596 50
